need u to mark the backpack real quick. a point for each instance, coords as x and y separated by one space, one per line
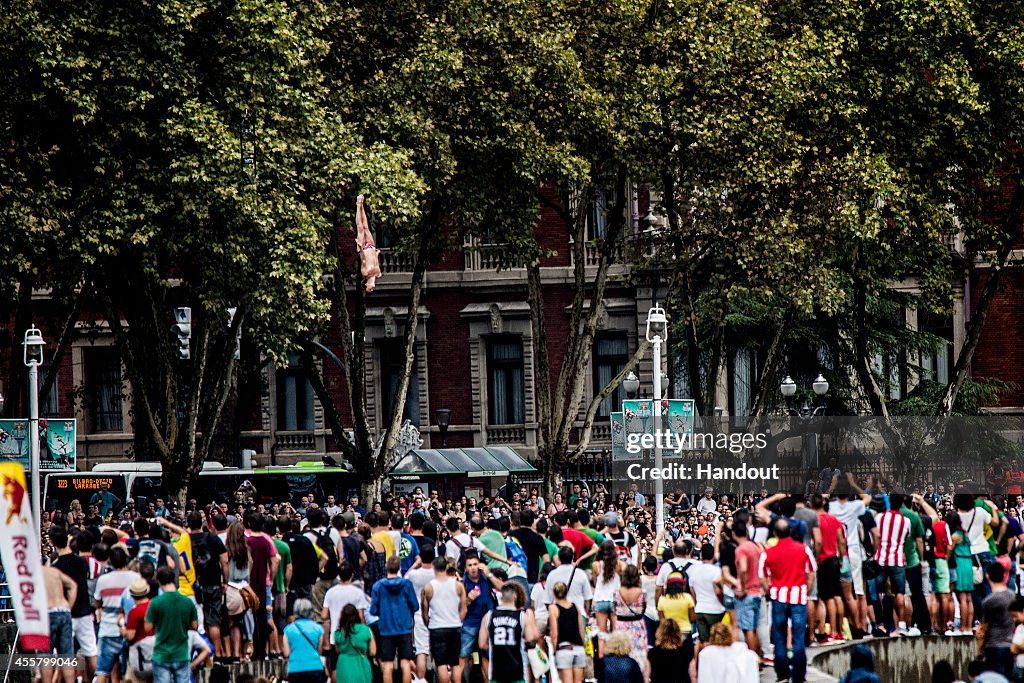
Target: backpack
375 569
622 546
203 560
460 564
682 572
149 550
329 548
515 552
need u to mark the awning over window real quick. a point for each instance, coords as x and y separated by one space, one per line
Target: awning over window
472 462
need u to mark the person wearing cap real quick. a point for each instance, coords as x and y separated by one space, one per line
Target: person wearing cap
134 628
707 503
625 543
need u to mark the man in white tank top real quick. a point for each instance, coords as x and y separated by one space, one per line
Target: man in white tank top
444 608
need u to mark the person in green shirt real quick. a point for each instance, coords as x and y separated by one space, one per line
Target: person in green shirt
594 535
355 648
282 579
542 529
170 616
493 541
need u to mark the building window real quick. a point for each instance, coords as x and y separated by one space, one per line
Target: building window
104 389
611 353
505 381
937 362
392 363
597 218
294 397
744 377
50 408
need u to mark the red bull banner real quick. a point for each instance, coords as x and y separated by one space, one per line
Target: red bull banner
19 552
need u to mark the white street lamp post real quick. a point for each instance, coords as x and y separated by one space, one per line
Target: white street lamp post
657 333
33 359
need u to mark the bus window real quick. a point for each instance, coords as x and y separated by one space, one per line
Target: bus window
61 489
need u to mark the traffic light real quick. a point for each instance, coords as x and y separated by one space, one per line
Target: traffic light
182 329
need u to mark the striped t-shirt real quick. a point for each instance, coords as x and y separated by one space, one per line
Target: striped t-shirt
786 565
893 529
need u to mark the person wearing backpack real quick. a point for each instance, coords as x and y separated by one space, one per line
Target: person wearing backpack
210 560
461 542
305 562
625 542
682 551
677 605
327 550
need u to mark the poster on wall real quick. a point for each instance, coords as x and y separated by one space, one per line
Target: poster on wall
57 452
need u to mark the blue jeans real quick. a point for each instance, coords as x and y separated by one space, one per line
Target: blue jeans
171 672
782 614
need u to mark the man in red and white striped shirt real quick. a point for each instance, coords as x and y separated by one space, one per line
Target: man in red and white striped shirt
890 532
787 571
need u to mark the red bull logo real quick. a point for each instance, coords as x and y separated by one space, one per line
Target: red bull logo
14 492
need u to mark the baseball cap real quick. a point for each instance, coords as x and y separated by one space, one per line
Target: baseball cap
709 490
611 518
349 517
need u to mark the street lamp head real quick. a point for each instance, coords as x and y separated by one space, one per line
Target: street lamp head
631 384
820 385
443 417
657 324
34 347
788 387
664 385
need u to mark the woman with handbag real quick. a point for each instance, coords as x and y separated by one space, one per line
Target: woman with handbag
961 572
303 642
355 647
239 564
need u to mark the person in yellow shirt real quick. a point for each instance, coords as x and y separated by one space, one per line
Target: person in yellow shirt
677 603
379 532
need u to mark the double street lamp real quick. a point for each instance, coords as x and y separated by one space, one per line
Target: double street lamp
657 334
788 389
33 357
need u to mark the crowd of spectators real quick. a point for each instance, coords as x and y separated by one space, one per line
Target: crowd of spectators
521 588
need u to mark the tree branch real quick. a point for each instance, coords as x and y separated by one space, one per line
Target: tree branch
606 391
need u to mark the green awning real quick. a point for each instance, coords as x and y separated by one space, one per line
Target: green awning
472 462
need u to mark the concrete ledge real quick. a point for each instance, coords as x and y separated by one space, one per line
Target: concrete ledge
901 659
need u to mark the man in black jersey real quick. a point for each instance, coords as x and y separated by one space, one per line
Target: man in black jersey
504 634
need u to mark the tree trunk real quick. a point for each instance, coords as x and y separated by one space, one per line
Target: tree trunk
371 489
553 481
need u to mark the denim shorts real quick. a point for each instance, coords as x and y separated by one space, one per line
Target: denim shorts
748 612
469 640
111 649
62 635
604 606
897 579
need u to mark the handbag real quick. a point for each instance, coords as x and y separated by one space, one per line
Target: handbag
977 570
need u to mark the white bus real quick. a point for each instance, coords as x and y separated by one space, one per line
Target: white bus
216 483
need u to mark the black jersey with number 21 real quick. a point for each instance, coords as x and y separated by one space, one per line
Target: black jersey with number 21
508 647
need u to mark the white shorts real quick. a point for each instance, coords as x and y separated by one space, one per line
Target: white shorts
85 634
856 570
199 611
420 635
